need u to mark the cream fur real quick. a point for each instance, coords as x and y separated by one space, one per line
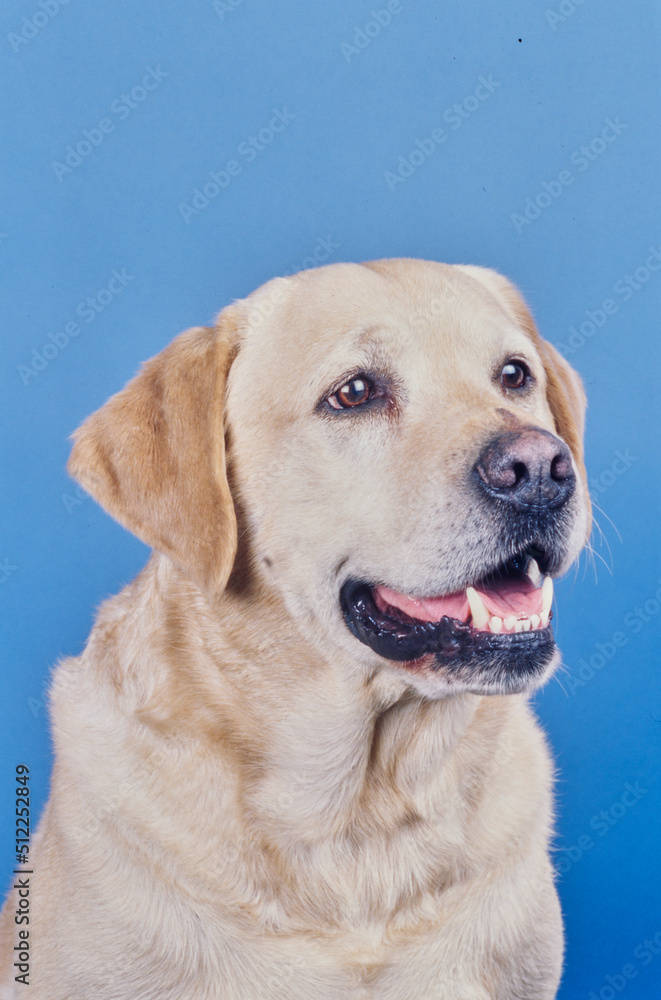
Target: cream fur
247 802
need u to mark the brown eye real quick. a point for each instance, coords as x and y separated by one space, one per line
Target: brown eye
353 393
514 375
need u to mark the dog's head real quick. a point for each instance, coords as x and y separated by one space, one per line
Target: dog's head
406 452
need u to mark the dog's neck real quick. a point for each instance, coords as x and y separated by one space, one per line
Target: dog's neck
327 746
311 772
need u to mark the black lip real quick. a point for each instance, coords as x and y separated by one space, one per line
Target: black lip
454 645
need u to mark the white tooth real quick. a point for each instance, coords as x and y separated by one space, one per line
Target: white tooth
518 625
534 621
495 624
479 612
533 572
544 619
509 623
547 594
527 624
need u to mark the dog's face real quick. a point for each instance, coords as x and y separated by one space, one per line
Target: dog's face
406 452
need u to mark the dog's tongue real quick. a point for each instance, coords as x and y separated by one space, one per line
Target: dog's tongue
506 598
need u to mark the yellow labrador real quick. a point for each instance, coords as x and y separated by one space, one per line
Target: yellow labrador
295 759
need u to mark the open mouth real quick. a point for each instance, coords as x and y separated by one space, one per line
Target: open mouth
500 621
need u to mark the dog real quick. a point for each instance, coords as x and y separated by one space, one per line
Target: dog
295 758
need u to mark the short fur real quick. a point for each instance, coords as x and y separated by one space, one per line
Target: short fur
246 801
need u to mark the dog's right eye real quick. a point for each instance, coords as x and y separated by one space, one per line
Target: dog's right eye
514 375
355 392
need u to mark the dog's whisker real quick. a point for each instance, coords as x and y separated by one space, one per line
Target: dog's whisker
602 511
604 543
589 561
557 679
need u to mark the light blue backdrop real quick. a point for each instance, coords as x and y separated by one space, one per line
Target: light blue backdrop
520 135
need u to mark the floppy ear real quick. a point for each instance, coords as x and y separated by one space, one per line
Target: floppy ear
564 389
154 455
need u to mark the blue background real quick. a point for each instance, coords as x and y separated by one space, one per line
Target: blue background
555 80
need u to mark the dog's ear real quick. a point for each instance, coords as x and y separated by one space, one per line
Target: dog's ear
564 389
154 455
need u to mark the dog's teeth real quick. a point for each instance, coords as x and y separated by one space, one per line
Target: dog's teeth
527 624
547 595
533 572
518 625
479 612
534 621
496 624
544 619
509 623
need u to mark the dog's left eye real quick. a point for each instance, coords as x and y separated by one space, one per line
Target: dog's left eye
355 392
514 375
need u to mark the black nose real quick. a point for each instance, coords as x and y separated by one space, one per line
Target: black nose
528 469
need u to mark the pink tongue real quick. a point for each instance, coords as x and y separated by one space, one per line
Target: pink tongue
516 598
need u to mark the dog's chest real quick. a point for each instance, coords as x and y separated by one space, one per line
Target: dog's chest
355 906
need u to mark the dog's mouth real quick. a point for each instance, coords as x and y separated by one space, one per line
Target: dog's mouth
500 621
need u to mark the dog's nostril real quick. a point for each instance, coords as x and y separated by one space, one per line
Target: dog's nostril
520 471
561 468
